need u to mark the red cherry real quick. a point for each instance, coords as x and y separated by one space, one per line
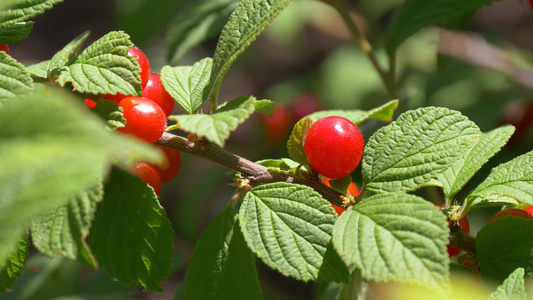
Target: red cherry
304 105
148 174
277 127
338 210
171 169
465 227
334 146
155 91
514 212
144 118
90 103
529 209
5 48
143 63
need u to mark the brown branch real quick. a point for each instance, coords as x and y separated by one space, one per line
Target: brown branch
461 240
257 174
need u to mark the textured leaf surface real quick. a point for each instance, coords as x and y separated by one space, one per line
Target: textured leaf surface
131 236
10 269
39 71
395 237
248 20
222 265
200 20
20 10
104 68
505 245
414 15
266 107
64 230
383 113
295 144
14 79
289 227
187 84
415 148
513 288
51 149
485 147
15 32
110 112
217 127
508 183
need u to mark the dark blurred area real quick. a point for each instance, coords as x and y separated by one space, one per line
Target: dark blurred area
306 52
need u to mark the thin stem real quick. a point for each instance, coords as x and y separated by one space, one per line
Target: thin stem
386 77
255 173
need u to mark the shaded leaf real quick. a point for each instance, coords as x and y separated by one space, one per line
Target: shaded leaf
131 236
382 113
222 265
10 269
15 32
21 10
513 288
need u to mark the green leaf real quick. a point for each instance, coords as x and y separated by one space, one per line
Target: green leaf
415 148
110 112
21 10
355 289
395 237
414 15
508 183
63 231
283 165
513 288
222 265
200 20
15 80
217 127
382 113
131 236
295 144
289 227
505 245
104 68
266 107
67 54
39 71
10 269
52 148
15 32
187 84
248 20
485 147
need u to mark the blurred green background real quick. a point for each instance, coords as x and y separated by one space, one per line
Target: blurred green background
306 51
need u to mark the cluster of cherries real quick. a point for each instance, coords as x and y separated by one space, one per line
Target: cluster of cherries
146 118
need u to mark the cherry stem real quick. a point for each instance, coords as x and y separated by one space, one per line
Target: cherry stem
255 173
258 174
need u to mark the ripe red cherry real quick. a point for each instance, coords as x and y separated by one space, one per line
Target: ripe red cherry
143 63
155 91
148 174
144 118
171 169
529 209
277 127
465 227
334 146
511 212
303 105
90 103
5 48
